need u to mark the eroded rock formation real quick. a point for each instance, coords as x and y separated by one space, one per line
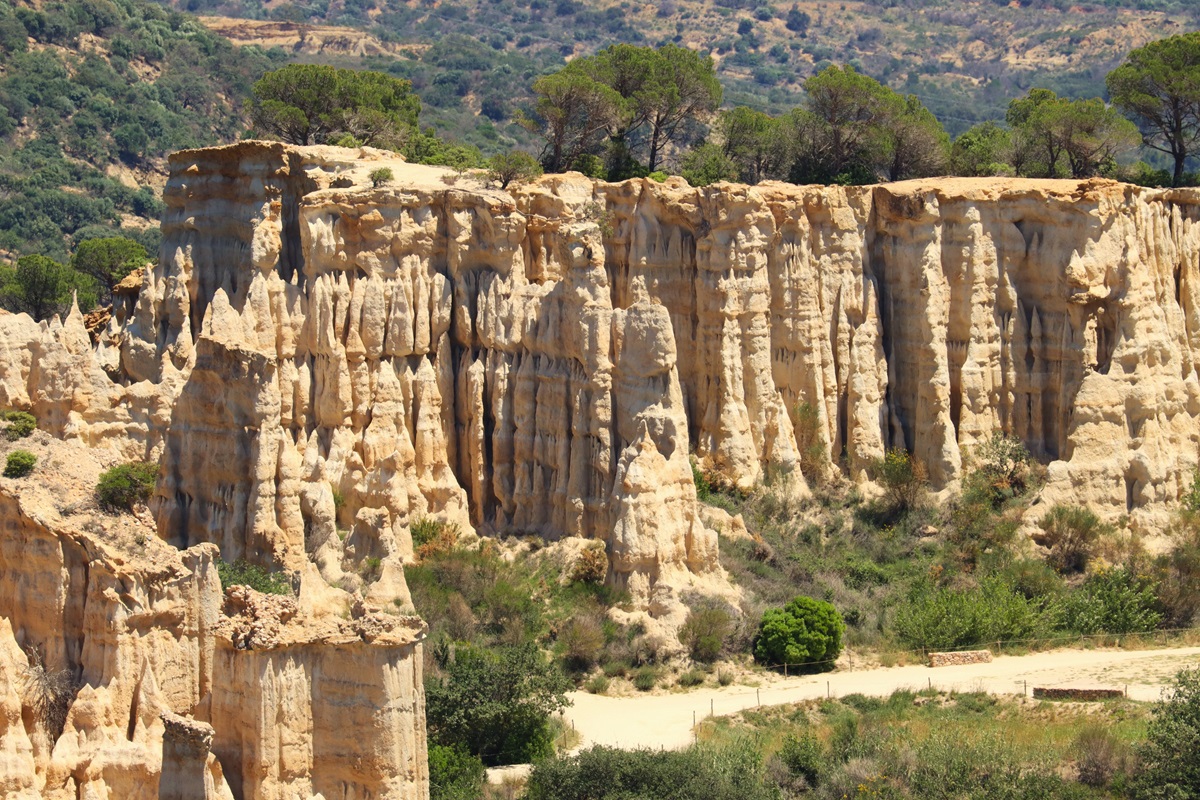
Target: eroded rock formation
318 362
126 673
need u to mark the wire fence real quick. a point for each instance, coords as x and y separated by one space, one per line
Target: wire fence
1135 640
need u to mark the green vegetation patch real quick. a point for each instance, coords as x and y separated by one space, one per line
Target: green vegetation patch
123 486
243 573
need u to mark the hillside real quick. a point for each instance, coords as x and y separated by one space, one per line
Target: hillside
964 60
93 96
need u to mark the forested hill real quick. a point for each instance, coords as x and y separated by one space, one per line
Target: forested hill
470 59
93 95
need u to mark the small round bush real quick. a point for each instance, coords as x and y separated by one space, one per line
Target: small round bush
805 631
645 678
20 425
124 485
381 176
19 464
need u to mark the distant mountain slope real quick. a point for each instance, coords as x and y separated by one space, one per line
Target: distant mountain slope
93 95
965 59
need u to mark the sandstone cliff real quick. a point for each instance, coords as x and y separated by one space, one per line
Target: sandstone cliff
126 673
317 362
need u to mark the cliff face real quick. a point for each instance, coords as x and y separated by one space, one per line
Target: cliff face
317 363
546 359
126 672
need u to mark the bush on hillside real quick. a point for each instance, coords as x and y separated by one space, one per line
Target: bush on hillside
123 486
903 479
1070 533
805 631
705 632
1115 601
21 425
496 704
243 573
19 464
454 774
947 618
701 772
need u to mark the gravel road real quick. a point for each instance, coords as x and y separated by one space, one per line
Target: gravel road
666 719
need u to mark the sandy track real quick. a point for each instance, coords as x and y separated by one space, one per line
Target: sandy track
665 720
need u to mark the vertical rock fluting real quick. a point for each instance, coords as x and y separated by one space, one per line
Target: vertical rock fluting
330 354
319 362
126 671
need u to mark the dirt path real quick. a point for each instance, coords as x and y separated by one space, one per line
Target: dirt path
665 720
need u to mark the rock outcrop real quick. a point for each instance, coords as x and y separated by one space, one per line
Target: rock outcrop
317 362
126 672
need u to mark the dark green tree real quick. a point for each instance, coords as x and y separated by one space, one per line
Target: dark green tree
849 107
805 631
41 287
311 103
1158 85
574 113
982 151
108 260
496 704
915 143
708 164
1054 136
755 142
644 100
684 90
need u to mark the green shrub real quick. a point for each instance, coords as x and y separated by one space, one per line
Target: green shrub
902 478
19 464
724 677
243 573
496 703
945 619
805 631
645 679
1113 601
1070 532
804 757
126 484
701 772
514 167
372 567
693 677
582 640
381 176
658 176
424 530
1170 756
1191 500
705 632
454 774
814 460
704 489
597 685
1004 469
20 425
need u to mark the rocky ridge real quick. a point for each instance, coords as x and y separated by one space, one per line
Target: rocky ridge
317 362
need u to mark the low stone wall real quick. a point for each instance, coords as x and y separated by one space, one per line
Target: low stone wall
964 657
1046 693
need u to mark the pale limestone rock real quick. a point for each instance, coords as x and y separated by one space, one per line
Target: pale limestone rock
166 664
317 363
